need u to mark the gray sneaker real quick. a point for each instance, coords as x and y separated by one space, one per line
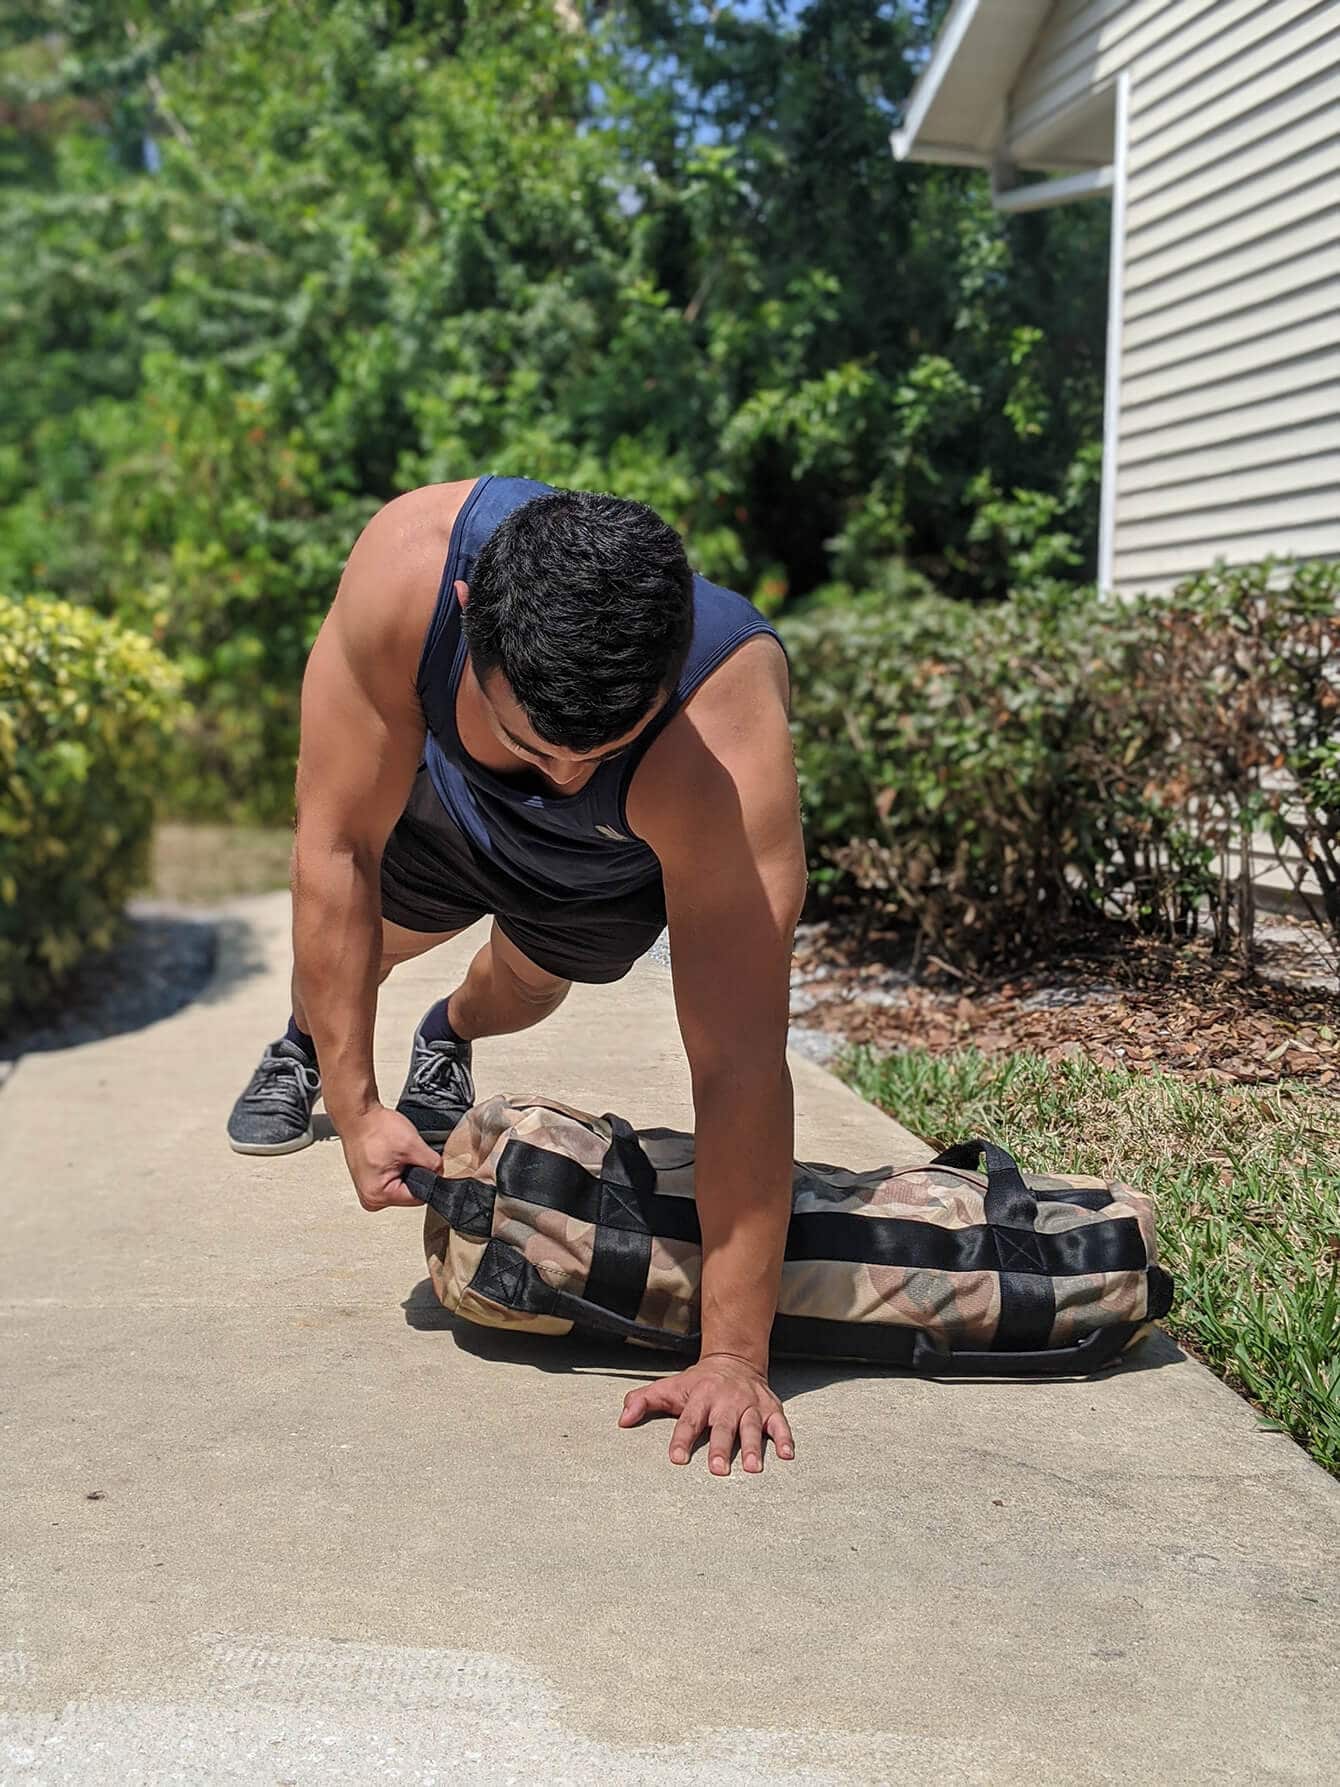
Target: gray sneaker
274 1114
438 1089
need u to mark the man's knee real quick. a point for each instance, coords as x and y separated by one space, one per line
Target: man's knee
531 985
541 993
400 944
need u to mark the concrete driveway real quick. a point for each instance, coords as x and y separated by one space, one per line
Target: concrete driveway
266 1517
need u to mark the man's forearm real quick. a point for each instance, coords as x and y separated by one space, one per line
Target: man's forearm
744 1148
337 931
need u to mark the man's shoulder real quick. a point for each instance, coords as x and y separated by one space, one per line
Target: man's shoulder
754 671
417 523
731 732
392 575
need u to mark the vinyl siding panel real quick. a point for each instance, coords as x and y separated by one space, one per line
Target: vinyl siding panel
1303 231
1228 437
1205 146
1236 488
1216 339
1229 434
1278 281
1168 41
1214 449
1266 169
1136 568
1308 373
1083 45
1302 202
1244 360
1249 520
1273 39
1242 108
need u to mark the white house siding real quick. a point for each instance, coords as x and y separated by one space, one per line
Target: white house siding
1228 444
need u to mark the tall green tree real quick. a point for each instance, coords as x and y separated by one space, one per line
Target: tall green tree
271 263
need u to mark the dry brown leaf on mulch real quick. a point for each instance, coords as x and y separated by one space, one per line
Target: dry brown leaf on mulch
1121 1000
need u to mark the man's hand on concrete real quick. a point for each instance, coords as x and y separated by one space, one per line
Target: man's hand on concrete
723 1396
377 1149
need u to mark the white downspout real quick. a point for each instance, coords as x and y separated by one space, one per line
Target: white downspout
1116 273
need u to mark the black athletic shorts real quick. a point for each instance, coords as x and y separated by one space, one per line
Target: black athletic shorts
433 879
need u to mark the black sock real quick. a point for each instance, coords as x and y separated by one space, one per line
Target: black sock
300 1039
436 1025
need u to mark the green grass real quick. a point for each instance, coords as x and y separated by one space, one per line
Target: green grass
1247 1184
194 864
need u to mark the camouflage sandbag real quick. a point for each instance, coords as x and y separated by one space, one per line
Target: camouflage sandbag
547 1219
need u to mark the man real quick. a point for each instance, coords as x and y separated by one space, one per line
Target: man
523 703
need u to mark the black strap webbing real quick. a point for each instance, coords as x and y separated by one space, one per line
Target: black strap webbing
620 1261
554 1182
1027 1296
1008 1198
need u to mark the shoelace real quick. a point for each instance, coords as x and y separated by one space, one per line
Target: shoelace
440 1071
279 1079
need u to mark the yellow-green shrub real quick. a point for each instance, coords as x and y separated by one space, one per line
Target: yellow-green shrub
85 710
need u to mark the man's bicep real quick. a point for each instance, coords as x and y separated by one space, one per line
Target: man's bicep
734 886
361 742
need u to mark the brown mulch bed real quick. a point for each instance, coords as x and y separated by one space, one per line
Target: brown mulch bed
1118 998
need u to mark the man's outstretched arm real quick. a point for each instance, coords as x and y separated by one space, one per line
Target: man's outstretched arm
722 812
362 737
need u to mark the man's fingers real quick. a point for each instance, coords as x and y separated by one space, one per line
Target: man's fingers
711 1404
721 1446
393 1192
779 1432
634 1407
689 1425
751 1440
397 1192
660 1398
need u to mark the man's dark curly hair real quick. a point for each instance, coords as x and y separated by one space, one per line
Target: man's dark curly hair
584 602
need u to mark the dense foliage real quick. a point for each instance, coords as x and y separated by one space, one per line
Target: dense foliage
657 247
85 711
987 772
1232 688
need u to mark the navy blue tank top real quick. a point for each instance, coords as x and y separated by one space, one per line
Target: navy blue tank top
562 846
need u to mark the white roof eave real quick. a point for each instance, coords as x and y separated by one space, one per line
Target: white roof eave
952 34
958 109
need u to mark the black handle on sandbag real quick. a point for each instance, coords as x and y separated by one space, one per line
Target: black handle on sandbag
1008 1198
423 1182
1095 1350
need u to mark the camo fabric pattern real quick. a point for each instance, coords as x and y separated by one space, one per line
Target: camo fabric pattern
961 1308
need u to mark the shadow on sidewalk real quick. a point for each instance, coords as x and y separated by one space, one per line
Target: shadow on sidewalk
791 1378
164 960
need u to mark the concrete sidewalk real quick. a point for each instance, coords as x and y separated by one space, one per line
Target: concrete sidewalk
265 1517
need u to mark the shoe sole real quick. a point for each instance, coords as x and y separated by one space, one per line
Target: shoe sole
434 1135
303 1141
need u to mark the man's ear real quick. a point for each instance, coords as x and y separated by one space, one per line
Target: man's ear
462 592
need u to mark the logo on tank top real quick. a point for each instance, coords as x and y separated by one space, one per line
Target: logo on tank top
608 831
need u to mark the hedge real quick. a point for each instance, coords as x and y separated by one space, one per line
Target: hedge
985 773
86 711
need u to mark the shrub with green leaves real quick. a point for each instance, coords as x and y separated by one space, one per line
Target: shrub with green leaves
985 772
86 709
1235 691
936 744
